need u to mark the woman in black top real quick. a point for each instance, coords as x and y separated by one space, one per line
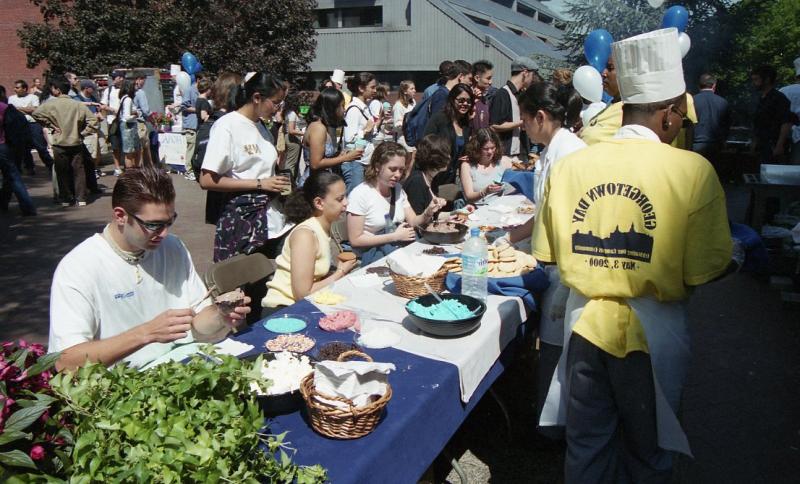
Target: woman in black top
453 124
433 157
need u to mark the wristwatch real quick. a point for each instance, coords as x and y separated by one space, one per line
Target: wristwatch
258 183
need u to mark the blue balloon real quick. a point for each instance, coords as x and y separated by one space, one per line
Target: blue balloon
677 17
597 48
189 62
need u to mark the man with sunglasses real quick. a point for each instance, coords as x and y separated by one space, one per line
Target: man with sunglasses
633 224
131 293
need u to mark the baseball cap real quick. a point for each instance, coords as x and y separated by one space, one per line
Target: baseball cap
523 63
117 73
86 83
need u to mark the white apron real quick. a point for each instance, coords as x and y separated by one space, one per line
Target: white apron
515 116
665 328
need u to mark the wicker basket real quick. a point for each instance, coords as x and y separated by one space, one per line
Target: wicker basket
413 286
342 423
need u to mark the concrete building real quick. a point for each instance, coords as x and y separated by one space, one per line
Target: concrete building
402 39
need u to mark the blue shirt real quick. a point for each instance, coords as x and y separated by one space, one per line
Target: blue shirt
189 101
140 101
81 98
713 118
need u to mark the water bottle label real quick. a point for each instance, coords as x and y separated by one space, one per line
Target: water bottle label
474 265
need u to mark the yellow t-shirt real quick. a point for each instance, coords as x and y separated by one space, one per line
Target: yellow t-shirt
628 218
608 121
279 291
603 126
682 140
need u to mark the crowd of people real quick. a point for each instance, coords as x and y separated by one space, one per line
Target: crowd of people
625 225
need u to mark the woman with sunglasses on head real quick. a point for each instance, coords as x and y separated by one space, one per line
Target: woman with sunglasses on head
547 113
321 148
453 124
359 129
314 208
241 162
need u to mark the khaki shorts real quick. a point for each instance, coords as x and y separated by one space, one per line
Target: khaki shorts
144 134
92 144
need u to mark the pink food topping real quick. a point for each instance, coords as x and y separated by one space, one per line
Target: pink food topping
340 321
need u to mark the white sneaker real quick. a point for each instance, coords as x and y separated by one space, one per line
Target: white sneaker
117 172
81 204
189 175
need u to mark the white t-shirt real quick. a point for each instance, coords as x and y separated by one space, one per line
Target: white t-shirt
95 294
111 98
792 92
29 101
564 142
366 200
356 119
239 148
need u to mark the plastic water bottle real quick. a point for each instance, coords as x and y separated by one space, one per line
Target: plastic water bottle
475 265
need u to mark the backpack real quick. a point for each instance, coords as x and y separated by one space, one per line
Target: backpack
415 121
201 141
17 131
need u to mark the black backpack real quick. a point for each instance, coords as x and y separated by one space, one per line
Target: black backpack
17 131
203 134
414 122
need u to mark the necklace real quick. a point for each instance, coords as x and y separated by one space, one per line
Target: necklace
132 258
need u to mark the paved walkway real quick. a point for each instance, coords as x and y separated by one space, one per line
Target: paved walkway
741 407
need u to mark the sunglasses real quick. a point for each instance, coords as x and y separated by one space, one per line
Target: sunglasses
155 227
463 100
677 111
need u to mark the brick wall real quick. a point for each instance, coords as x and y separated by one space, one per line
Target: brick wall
12 57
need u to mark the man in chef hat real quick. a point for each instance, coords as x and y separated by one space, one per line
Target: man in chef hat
338 81
632 223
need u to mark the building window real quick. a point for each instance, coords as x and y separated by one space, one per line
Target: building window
545 19
332 18
327 18
517 31
525 10
479 21
505 3
362 17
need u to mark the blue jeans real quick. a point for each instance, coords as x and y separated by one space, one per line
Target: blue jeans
39 143
353 172
12 183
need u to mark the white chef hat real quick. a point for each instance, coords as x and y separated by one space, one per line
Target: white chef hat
649 67
797 66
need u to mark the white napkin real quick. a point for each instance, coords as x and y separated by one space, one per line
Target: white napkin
405 263
365 280
355 380
232 347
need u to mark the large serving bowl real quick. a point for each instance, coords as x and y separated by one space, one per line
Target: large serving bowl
281 403
448 327
444 237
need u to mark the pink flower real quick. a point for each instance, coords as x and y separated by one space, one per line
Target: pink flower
37 452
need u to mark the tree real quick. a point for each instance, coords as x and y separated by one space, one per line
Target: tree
767 32
710 28
88 36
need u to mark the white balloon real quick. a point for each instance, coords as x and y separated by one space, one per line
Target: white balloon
183 81
685 43
655 3
589 83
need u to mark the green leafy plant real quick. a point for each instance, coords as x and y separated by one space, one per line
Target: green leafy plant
194 422
32 441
